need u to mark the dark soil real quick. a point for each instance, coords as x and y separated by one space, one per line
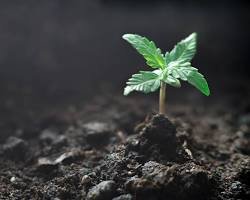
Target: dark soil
115 148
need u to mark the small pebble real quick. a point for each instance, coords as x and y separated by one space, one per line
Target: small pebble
15 148
103 191
124 197
13 179
85 179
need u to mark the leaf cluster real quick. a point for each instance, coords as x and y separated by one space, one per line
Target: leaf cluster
170 67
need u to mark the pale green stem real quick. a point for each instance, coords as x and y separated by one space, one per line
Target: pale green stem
162 98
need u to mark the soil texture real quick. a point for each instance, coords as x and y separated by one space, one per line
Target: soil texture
113 149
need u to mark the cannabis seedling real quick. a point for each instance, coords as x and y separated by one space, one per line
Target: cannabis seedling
169 68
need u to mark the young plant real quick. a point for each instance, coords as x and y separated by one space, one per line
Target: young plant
168 68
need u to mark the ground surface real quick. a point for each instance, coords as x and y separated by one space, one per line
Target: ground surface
116 148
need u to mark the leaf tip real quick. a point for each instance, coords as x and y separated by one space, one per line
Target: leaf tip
206 92
124 36
126 91
192 37
194 34
127 36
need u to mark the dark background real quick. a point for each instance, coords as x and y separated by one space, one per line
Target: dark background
51 50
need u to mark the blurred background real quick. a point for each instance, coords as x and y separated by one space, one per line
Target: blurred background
53 51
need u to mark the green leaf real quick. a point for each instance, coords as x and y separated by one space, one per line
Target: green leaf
197 80
184 51
190 74
144 81
171 68
148 49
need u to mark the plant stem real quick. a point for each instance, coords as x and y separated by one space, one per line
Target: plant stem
162 98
